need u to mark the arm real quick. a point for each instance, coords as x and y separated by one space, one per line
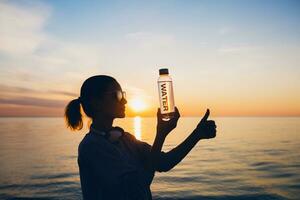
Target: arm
155 153
205 130
163 129
172 158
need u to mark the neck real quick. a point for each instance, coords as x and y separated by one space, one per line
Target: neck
102 123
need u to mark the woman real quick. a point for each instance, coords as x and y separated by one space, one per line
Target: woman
113 164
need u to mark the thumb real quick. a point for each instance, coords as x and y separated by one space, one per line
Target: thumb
158 113
205 116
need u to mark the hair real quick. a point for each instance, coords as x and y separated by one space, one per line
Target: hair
91 89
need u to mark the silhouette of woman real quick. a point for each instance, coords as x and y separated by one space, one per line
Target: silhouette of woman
113 164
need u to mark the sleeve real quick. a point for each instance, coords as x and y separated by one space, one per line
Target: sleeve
144 150
127 180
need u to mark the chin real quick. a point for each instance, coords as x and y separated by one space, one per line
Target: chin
121 115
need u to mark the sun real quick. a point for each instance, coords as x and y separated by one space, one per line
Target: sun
137 104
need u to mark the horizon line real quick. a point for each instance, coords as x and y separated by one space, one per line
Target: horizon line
190 116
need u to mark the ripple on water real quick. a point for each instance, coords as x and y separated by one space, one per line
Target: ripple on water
54 176
178 179
274 152
46 191
265 165
225 197
275 170
278 175
38 185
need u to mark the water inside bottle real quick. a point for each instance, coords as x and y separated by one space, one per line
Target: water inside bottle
166 99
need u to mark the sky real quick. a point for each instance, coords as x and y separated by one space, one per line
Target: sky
237 58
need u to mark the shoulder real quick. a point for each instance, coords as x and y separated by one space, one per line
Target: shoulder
136 142
89 141
128 135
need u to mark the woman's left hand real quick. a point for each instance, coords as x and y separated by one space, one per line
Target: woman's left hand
206 129
165 127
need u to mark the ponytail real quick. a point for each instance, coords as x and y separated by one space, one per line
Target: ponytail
73 115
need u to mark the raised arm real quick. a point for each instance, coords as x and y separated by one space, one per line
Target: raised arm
162 130
206 129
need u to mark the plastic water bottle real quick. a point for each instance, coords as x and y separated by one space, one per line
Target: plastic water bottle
166 95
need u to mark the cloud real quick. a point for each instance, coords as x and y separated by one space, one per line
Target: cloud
69 94
236 48
34 63
15 90
21 27
135 91
32 57
229 49
225 30
31 101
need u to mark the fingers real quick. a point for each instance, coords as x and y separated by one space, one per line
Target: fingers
176 114
214 133
211 123
205 116
212 128
158 114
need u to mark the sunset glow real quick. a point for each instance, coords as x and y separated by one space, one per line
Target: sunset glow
137 127
137 104
234 58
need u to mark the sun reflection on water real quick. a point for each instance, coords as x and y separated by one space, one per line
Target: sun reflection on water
137 127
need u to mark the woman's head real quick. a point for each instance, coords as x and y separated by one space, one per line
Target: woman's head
100 96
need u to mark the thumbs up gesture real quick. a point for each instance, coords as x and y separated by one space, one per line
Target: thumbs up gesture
206 128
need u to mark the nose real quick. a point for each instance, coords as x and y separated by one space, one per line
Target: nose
124 101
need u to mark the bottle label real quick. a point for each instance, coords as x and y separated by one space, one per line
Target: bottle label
164 97
165 89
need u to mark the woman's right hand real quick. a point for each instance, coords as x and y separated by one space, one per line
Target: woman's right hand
165 127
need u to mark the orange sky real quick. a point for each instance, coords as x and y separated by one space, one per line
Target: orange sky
239 61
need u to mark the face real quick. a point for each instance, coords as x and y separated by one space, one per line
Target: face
112 104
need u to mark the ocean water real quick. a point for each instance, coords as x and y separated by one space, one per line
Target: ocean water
251 158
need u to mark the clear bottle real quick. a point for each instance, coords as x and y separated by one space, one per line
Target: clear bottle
166 95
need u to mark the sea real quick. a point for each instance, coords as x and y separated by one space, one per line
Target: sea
250 158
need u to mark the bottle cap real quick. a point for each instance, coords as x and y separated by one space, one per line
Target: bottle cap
163 71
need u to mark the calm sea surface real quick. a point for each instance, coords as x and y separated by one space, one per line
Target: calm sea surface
251 158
